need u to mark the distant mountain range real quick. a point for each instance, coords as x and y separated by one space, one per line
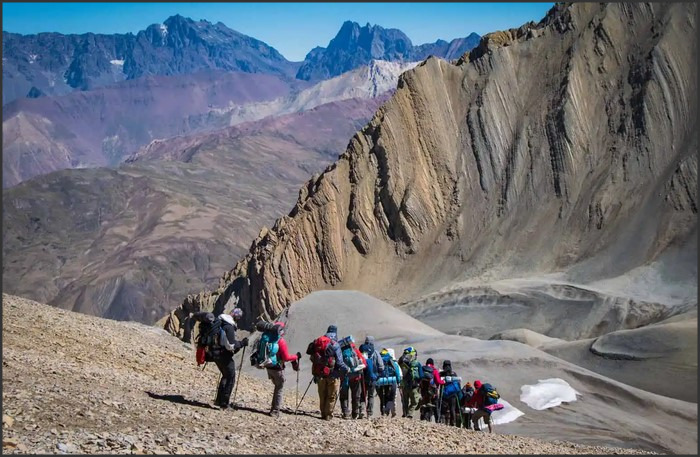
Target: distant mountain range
55 64
354 46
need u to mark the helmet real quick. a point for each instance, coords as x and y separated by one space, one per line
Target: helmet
236 313
410 350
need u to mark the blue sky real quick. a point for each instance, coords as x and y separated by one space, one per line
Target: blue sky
291 28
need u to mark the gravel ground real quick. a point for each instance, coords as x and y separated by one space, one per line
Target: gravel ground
73 383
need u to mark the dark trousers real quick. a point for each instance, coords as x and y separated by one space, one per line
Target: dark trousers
354 388
450 411
387 399
370 390
227 367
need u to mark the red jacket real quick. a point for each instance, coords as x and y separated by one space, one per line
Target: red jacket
283 354
436 373
477 400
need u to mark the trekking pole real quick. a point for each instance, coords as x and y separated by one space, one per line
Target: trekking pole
298 369
303 396
240 373
439 404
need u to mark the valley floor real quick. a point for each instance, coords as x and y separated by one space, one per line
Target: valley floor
73 383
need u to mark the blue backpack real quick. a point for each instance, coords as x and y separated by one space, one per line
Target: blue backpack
452 387
370 370
265 353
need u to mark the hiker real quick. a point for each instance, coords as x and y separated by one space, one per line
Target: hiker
217 335
484 398
327 367
352 383
271 353
386 384
411 374
373 370
451 395
467 395
430 385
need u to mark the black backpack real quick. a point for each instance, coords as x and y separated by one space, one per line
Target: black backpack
209 333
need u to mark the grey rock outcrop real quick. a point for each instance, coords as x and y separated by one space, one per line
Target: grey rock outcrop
561 142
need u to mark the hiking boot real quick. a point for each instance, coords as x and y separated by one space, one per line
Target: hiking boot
274 413
346 416
327 418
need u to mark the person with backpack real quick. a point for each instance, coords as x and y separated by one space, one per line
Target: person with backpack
352 383
387 382
327 368
451 395
430 385
411 373
271 353
217 339
373 370
467 395
484 398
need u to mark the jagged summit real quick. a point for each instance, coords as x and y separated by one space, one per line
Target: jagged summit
356 45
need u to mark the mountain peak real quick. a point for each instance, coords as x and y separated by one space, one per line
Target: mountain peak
356 45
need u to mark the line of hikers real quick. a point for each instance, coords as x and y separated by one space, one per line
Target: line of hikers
355 375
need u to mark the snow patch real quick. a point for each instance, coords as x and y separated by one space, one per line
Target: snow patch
119 62
508 414
32 58
163 30
547 393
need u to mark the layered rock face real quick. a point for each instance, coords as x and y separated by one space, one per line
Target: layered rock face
568 141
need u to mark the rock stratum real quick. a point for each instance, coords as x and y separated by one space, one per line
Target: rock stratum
563 146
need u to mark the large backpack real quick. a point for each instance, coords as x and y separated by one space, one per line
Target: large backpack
389 367
390 375
322 357
452 387
266 346
427 382
414 373
491 395
209 333
350 358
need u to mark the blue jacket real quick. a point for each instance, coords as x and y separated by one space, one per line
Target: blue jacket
340 367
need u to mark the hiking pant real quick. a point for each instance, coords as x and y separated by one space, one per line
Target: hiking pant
277 377
369 390
328 394
478 415
354 388
387 399
227 367
410 400
450 411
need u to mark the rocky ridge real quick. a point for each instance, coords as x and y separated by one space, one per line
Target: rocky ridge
96 386
356 45
55 64
453 166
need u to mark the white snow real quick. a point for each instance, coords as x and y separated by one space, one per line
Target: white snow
119 62
32 58
547 393
163 30
508 414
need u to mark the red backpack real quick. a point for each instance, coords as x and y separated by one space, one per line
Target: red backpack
322 363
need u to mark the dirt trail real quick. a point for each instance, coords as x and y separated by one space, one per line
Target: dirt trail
78 384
